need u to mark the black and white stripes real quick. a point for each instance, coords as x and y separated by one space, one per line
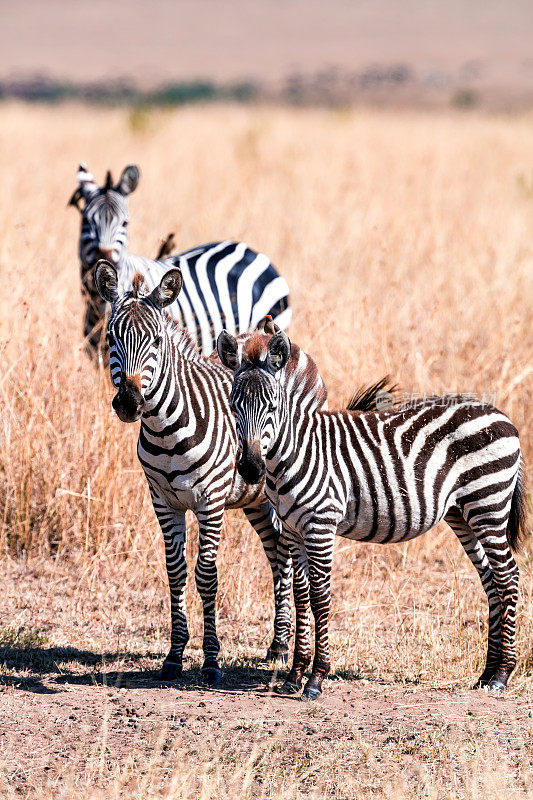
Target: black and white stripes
187 447
382 477
225 284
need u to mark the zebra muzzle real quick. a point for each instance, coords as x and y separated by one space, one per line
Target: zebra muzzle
128 401
251 466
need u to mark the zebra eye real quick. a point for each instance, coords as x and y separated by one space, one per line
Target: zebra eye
125 223
157 341
272 406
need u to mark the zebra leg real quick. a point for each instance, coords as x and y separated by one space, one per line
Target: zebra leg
302 639
505 572
210 525
320 558
174 534
267 526
475 552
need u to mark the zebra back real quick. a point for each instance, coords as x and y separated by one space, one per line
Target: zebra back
226 285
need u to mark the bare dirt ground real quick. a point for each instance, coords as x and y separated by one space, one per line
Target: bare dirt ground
398 727
83 710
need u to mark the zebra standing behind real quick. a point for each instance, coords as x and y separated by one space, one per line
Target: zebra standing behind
385 476
225 284
187 447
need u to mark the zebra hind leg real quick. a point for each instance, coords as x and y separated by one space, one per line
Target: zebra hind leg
505 571
264 521
475 552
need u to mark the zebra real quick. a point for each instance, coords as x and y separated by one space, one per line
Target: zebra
382 476
187 448
226 284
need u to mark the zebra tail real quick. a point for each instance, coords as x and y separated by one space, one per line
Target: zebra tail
375 396
516 526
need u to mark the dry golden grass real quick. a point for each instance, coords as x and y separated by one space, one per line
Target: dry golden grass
406 240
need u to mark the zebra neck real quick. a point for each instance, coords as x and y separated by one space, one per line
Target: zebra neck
182 398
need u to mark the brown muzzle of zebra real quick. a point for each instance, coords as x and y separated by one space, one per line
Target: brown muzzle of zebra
251 466
128 401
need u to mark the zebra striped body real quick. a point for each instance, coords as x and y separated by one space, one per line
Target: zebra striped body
187 447
225 284
385 476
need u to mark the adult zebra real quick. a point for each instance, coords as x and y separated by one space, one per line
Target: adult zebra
187 447
225 284
383 476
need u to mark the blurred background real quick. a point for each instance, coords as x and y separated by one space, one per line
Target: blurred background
421 52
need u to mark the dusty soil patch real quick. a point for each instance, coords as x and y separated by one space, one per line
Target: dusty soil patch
113 718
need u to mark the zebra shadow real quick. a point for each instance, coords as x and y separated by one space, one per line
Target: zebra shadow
52 664
45 669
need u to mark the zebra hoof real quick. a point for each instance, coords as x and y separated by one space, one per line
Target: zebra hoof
496 687
211 674
287 688
171 670
310 693
281 656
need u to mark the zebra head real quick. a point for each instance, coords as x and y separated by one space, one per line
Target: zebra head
104 216
257 398
136 335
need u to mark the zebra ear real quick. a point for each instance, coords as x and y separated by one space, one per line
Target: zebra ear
75 199
169 288
279 350
128 180
106 278
227 350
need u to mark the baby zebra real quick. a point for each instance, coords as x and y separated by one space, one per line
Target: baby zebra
381 476
187 447
225 284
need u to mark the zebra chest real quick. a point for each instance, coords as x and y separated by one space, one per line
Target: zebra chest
173 479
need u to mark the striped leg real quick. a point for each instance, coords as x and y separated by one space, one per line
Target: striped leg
302 639
172 524
505 573
264 520
320 559
475 552
210 525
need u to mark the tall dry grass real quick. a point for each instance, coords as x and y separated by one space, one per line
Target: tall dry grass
407 243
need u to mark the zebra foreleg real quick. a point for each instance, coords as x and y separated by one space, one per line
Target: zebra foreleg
267 526
320 558
174 535
302 639
210 525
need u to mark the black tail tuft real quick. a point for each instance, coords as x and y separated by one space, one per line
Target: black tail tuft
375 397
516 527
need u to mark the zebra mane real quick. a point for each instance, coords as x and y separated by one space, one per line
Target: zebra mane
182 339
369 398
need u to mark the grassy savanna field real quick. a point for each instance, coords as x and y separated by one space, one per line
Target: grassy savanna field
406 240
